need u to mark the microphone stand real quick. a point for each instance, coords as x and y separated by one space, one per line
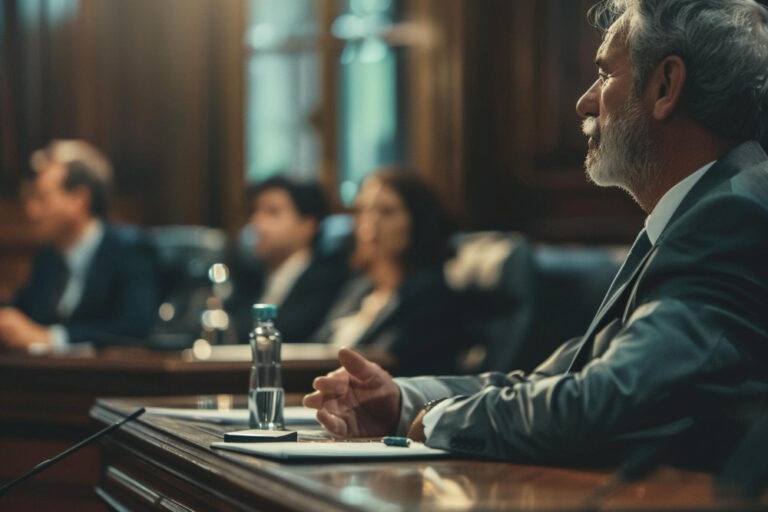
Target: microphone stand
53 460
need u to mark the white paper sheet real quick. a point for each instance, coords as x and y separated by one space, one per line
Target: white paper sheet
319 451
293 416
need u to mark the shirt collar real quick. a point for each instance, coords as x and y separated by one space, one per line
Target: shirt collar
281 280
295 263
657 221
79 256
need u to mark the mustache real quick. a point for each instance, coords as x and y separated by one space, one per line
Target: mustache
591 128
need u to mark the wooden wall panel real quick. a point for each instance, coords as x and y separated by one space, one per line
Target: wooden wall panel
157 85
532 60
435 91
492 88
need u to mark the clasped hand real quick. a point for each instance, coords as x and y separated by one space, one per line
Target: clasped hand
360 399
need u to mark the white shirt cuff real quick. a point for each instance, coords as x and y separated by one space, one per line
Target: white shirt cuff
414 393
59 337
433 416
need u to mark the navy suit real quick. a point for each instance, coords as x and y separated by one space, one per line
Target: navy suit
119 300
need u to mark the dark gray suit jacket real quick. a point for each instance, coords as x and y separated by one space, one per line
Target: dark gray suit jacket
679 353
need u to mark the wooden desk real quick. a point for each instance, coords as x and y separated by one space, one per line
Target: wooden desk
44 403
158 463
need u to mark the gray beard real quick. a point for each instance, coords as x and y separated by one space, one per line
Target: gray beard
623 156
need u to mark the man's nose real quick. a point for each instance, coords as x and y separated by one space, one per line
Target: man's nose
589 104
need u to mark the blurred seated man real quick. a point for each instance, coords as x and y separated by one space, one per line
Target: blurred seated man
286 219
89 281
675 361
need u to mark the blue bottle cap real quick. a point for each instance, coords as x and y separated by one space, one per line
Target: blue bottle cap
264 311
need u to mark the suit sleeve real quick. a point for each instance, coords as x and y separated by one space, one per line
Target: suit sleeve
693 340
417 391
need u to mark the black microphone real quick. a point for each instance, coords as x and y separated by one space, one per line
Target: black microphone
53 460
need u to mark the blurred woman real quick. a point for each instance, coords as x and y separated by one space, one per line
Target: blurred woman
400 302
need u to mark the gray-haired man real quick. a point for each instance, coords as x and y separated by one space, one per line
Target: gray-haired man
680 343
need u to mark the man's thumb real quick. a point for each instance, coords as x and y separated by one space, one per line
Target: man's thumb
356 365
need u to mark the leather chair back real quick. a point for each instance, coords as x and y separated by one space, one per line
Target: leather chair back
521 300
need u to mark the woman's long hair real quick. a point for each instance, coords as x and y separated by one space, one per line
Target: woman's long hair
431 226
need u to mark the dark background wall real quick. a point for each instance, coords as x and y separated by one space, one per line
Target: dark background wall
490 88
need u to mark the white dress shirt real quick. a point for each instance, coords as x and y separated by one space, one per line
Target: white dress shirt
655 224
657 221
281 281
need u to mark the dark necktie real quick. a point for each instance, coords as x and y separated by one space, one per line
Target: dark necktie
636 254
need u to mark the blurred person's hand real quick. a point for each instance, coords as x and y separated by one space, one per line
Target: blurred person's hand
360 399
19 332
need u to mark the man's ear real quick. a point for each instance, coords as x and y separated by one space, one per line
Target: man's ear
665 87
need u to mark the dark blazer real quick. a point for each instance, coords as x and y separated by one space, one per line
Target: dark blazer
419 326
305 306
677 357
119 300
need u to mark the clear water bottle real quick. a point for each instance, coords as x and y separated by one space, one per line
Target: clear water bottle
265 397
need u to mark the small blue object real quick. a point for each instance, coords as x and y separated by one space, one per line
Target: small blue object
396 441
264 311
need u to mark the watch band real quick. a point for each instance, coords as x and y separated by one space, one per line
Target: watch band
431 404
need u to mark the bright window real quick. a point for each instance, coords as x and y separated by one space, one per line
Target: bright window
284 90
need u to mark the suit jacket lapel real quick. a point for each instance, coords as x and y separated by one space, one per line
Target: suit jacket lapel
381 320
608 306
57 285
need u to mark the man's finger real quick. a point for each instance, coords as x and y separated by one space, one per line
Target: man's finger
332 375
357 366
332 423
313 400
334 386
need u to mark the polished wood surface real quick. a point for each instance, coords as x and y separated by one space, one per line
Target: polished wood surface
27 382
159 463
44 403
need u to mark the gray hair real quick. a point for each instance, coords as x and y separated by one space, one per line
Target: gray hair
85 165
724 44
